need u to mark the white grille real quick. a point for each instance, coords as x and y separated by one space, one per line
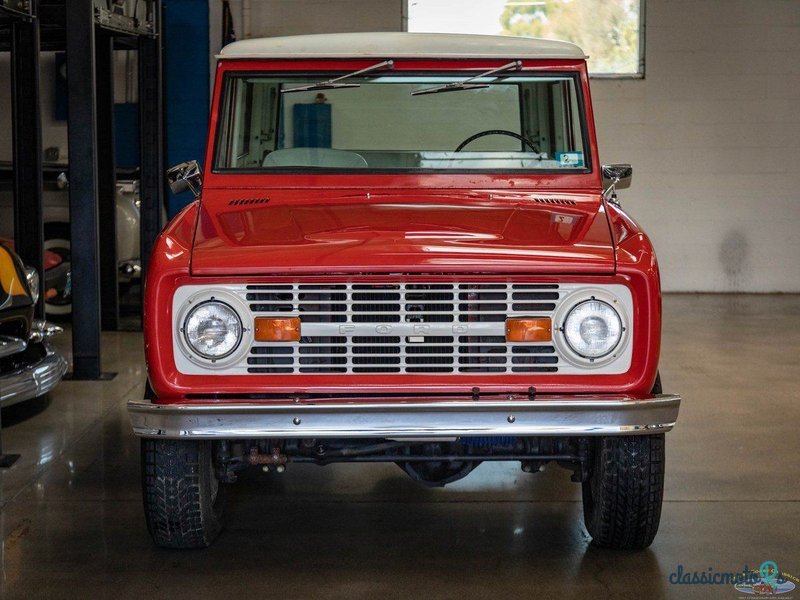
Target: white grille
403 328
400 328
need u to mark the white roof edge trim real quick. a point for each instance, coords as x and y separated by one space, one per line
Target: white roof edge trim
401 45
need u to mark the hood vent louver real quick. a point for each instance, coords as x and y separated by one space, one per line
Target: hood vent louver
561 201
247 201
536 199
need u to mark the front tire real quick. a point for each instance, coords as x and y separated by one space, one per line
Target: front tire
622 498
183 500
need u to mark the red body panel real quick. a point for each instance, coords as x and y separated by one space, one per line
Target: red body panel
404 226
637 272
411 231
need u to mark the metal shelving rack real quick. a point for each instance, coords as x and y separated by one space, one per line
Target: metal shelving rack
17 8
89 31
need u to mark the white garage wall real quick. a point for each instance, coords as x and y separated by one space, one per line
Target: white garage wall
713 131
271 18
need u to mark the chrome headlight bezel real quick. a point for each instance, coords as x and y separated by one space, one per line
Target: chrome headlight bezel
33 281
232 303
566 308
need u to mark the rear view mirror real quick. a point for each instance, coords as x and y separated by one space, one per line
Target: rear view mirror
617 176
185 176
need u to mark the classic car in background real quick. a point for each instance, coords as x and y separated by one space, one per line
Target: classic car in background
29 365
57 276
56 224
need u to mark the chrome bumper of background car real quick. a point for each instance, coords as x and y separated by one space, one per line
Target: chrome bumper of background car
409 419
32 380
11 345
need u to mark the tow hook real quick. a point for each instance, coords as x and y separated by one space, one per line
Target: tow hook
277 460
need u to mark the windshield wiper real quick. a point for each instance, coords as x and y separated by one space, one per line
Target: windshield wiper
333 84
465 84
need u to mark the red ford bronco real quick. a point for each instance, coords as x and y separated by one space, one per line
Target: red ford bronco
404 249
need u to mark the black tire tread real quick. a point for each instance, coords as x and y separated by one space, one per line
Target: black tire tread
177 503
622 500
657 389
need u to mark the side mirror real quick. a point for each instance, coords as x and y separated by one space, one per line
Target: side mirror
185 176
617 176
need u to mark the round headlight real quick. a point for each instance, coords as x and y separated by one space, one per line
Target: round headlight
213 329
593 329
32 277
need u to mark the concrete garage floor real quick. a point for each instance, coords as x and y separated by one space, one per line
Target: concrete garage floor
72 523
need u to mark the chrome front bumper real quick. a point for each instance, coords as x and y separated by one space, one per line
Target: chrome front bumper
32 380
408 418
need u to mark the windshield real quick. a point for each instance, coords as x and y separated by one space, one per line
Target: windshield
380 123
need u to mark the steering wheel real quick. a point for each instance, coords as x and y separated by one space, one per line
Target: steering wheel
481 134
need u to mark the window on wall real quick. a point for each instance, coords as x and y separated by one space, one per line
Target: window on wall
609 31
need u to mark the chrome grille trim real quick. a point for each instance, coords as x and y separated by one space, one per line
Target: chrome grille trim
413 328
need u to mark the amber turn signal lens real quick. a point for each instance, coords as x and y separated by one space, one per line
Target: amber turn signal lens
277 330
529 330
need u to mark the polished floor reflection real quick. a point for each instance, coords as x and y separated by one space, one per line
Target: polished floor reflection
72 524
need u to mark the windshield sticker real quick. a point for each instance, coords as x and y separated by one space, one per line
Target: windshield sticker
570 159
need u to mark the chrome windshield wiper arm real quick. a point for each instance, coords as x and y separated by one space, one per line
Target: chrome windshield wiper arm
465 84
335 83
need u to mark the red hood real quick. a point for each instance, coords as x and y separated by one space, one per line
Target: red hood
242 232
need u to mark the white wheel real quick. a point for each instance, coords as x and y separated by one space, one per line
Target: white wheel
56 240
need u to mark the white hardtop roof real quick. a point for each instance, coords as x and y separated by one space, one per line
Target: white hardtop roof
400 45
